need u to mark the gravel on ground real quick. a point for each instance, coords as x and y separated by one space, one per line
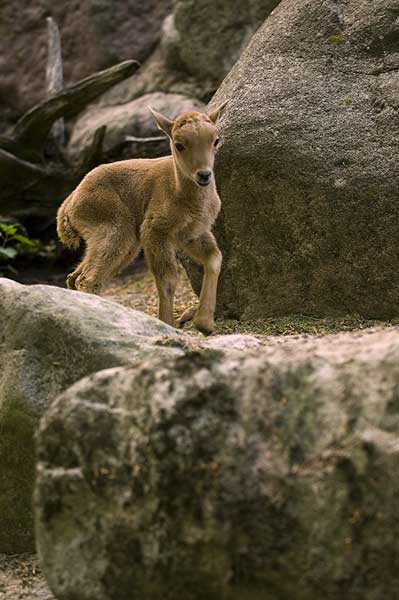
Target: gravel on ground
21 578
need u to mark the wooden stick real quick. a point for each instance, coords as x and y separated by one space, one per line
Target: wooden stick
34 126
156 138
94 154
54 76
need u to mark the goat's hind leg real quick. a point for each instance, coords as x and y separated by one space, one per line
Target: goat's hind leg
129 257
161 258
106 254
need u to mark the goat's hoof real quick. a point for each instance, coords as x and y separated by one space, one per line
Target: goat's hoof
187 316
205 326
70 282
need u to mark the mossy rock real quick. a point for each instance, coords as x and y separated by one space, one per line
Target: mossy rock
49 339
268 473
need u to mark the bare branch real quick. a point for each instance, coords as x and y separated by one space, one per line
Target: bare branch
143 140
94 154
34 126
54 75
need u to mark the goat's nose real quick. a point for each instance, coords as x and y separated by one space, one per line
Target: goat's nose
204 174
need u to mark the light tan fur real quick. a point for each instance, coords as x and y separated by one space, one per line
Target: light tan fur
157 204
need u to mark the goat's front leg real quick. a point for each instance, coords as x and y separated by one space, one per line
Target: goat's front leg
162 262
205 251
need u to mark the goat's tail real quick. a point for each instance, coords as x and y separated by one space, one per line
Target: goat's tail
67 234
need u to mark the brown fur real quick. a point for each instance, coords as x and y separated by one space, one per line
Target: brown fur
156 204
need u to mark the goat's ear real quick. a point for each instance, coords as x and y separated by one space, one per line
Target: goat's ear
216 113
163 123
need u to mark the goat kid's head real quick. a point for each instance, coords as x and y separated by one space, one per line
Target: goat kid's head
194 141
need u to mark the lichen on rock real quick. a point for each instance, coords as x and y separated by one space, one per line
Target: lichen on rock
269 472
50 338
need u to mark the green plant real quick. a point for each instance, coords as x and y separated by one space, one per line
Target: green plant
14 243
336 38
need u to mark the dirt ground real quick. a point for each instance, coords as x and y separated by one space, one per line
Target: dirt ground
137 290
21 578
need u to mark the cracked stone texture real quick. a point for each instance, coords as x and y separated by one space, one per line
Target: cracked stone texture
269 473
311 150
49 339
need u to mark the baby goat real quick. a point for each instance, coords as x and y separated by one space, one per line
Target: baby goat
162 205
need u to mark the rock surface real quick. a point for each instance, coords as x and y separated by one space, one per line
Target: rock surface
132 118
212 33
270 473
162 72
311 151
95 34
49 339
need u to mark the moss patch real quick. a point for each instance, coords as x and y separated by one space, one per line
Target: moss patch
17 457
300 325
336 38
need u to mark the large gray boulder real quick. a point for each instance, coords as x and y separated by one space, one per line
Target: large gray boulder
49 339
263 474
212 33
308 172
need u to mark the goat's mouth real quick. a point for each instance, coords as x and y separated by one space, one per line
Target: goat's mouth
202 183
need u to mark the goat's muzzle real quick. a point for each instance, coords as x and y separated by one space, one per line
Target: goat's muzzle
203 177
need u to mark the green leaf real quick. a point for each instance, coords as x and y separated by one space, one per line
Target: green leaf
8 229
23 239
8 252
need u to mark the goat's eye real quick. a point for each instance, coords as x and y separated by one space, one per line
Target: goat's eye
216 142
179 147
